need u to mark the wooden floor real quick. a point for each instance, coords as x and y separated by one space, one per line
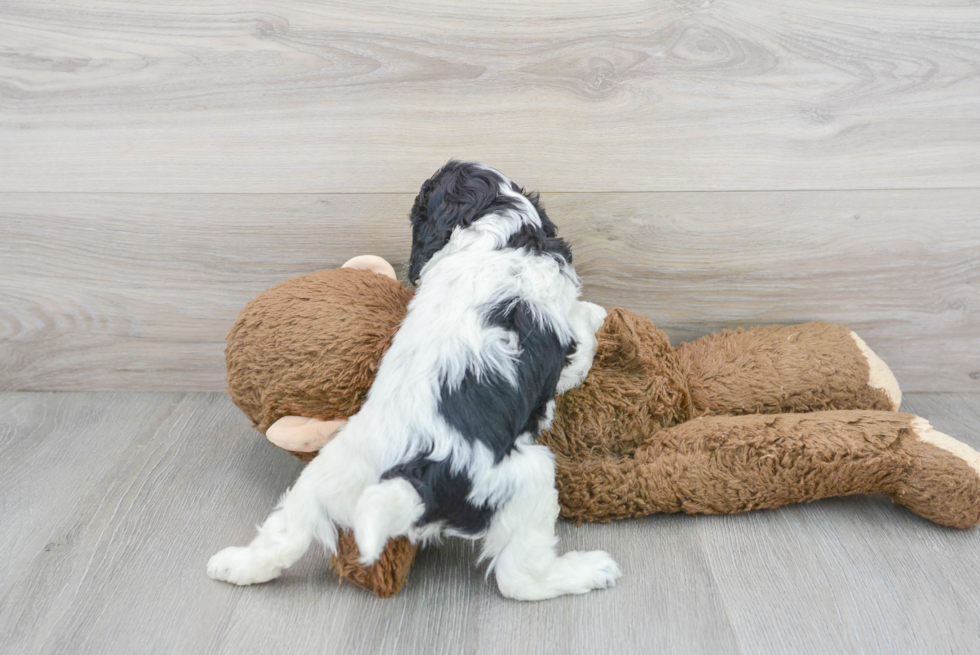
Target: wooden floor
712 164
111 503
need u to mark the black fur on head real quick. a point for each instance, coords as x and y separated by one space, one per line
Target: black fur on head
459 194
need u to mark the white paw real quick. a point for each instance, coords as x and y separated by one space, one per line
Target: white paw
242 566
596 313
575 572
594 569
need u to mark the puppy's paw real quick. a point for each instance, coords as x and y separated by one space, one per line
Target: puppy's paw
574 572
242 566
596 314
594 569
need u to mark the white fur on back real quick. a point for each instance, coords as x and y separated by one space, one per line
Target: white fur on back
444 335
447 334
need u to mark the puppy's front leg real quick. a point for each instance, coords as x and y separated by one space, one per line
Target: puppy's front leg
585 319
521 540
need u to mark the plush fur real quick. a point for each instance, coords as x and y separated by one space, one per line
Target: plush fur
651 429
445 442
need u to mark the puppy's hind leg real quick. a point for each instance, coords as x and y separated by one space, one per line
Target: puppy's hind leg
283 538
521 540
304 513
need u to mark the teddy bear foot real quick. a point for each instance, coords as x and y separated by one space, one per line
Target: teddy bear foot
879 375
944 483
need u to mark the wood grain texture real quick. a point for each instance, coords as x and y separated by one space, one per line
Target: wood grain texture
116 96
126 573
112 503
138 291
50 447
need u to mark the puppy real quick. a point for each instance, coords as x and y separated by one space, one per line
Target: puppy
445 442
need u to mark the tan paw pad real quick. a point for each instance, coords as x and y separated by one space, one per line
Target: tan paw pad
880 376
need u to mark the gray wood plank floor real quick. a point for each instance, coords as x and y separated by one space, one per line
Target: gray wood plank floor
111 503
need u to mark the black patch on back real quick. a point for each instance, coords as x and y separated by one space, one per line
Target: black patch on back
443 494
492 411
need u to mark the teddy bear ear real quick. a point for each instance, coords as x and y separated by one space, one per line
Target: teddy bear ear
299 434
371 263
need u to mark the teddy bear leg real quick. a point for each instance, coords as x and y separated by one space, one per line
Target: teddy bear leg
942 485
386 577
724 465
772 370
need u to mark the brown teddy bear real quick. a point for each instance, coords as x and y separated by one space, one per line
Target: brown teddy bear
731 422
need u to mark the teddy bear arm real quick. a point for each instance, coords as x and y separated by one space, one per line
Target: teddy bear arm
801 368
730 464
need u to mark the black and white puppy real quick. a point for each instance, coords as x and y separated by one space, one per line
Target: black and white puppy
445 442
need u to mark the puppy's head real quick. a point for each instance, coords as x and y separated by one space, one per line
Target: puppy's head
456 196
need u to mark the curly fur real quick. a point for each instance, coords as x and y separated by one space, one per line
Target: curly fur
445 442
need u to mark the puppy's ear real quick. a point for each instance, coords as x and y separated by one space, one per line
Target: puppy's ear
457 195
426 239
552 242
550 230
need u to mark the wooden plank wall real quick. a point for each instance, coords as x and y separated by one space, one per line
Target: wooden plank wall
713 164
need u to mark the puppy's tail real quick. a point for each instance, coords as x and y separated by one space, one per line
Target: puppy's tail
387 509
